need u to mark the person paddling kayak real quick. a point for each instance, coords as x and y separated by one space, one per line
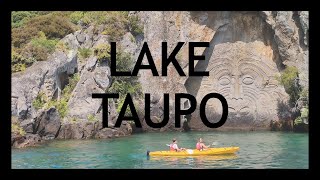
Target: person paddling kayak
174 146
201 146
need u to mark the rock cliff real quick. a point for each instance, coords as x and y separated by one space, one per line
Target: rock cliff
49 78
248 50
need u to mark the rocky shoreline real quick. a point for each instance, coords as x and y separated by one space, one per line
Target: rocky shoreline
48 127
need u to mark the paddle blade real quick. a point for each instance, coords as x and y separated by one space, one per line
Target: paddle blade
214 143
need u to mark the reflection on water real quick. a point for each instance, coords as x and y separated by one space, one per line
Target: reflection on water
194 161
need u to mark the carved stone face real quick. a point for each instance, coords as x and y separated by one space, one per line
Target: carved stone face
248 83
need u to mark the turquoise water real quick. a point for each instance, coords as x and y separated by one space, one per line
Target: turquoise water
257 150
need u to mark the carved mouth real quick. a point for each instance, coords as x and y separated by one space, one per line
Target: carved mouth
239 112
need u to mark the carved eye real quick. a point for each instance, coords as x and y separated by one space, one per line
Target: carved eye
247 80
224 81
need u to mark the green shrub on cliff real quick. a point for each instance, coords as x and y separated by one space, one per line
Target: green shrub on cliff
76 16
54 25
304 93
91 118
123 84
85 52
73 119
123 87
288 79
124 63
298 121
18 18
102 51
62 46
62 107
42 41
19 62
113 23
73 80
60 104
35 35
18 67
40 47
118 23
15 128
40 100
305 112
303 118
39 53
135 26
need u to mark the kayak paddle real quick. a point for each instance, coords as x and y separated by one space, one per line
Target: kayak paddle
214 143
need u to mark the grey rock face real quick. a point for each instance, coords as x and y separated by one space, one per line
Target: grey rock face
101 77
82 104
304 21
95 78
129 43
88 130
47 125
247 79
16 139
27 125
48 77
26 141
22 108
92 61
106 133
291 36
247 50
81 38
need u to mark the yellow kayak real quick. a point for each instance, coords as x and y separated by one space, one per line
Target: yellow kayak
195 152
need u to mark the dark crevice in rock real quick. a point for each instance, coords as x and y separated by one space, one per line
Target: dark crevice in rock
192 84
295 17
185 125
56 135
270 39
63 80
270 34
274 14
43 79
55 94
165 26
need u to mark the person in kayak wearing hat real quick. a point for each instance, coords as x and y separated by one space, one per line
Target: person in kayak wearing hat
201 146
174 146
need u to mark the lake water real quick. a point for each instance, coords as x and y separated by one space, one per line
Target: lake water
258 150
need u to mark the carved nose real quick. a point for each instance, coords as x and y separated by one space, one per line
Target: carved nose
236 90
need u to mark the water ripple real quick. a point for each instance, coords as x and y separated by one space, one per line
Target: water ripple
258 150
